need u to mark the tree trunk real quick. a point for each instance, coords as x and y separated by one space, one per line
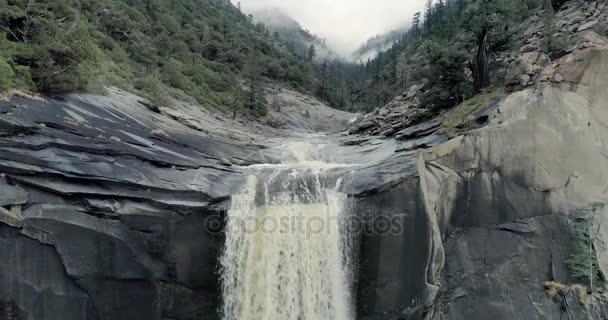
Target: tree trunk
480 66
323 89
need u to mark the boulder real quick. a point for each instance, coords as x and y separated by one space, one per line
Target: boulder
394 114
524 79
525 68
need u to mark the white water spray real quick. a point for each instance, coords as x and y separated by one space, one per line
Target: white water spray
287 254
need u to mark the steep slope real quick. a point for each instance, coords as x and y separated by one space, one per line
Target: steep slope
522 64
206 50
458 49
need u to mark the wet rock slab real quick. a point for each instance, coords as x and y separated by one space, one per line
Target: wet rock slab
103 206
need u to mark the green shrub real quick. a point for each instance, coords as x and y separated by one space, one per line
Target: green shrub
58 70
152 88
23 78
6 76
173 76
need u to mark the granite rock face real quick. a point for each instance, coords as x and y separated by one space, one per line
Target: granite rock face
106 207
390 119
500 207
578 24
105 215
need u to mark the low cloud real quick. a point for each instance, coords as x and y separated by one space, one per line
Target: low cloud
345 23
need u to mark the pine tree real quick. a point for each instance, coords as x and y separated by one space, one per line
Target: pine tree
416 24
254 99
446 84
483 18
312 53
323 81
439 15
402 69
428 15
583 262
550 42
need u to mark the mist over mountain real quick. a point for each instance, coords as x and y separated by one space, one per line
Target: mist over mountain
290 31
378 43
275 18
346 24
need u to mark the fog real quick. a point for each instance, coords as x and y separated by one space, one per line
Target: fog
345 23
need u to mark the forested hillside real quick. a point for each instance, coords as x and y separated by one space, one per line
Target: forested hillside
205 49
210 51
299 41
454 48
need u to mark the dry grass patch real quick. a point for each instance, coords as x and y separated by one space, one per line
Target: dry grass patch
160 133
582 295
16 210
73 122
12 93
556 290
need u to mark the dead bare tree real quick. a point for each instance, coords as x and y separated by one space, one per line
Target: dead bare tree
27 25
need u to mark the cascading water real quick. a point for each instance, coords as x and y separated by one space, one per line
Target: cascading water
287 252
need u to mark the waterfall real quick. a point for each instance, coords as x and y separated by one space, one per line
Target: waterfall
287 252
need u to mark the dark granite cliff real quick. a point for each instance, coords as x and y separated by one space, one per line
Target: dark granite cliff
494 214
104 204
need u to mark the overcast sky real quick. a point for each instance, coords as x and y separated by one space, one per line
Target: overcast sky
345 23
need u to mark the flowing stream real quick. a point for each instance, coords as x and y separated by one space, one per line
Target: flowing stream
287 254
